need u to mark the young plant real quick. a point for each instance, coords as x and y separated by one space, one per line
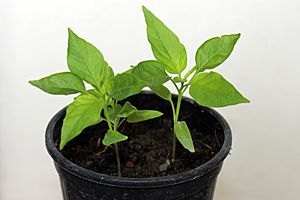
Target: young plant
207 88
86 64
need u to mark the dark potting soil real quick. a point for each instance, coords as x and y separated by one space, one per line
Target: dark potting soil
147 152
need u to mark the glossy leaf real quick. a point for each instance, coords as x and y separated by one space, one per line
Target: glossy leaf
83 112
162 91
215 51
112 137
212 90
143 115
165 45
61 83
125 85
85 60
183 135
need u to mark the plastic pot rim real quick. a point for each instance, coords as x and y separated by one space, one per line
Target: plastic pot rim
152 182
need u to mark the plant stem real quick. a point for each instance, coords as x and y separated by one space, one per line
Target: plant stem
118 159
174 136
178 106
115 145
177 88
173 109
176 112
117 154
189 73
176 116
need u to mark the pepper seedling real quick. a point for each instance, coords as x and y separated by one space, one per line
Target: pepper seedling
86 64
207 88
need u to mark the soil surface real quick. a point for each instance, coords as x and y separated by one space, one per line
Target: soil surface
147 152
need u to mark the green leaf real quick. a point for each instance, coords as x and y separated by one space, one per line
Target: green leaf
211 89
112 137
113 112
215 51
60 83
118 111
183 134
83 112
128 71
143 115
165 45
151 72
162 91
108 76
85 60
125 85
177 79
127 110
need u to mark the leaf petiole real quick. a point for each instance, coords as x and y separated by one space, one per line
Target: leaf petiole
189 73
175 85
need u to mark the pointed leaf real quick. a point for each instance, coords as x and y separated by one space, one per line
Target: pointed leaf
108 76
151 72
143 115
127 110
215 51
61 83
85 60
165 45
162 91
183 134
212 90
112 137
125 85
83 112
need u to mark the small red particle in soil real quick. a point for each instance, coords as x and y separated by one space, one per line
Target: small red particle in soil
129 164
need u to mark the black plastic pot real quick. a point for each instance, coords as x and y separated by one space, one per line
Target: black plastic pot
78 183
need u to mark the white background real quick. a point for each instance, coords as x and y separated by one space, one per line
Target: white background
265 159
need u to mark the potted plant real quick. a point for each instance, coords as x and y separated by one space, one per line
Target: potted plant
116 142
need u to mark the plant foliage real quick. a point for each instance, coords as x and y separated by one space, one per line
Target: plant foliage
207 88
88 66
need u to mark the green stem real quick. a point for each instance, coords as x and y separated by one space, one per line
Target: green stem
189 73
117 154
173 109
174 136
178 106
118 159
176 116
120 123
115 145
177 88
184 88
176 111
